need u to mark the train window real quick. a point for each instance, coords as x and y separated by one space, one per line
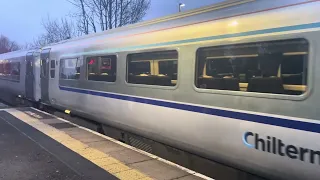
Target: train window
52 68
7 69
1 69
52 73
10 70
44 67
278 67
169 68
153 68
70 68
102 68
140 67
52 64
15 70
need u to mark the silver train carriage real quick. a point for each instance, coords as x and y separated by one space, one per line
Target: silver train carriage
235 82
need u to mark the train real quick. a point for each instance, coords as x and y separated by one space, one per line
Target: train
235 82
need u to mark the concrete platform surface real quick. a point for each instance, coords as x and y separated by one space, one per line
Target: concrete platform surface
37 145
23 157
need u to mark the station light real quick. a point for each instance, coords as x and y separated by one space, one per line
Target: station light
181 5
67 111
233 23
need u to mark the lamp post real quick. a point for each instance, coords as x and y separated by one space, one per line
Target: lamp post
180 6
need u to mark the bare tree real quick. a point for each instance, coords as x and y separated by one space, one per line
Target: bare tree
83 15
7 46
55 31
108 14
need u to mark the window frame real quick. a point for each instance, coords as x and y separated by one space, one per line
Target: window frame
153 86
78 58
288 37
101 55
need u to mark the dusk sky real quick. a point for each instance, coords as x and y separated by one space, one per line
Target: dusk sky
20 20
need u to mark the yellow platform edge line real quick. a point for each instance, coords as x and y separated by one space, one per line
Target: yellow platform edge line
103 160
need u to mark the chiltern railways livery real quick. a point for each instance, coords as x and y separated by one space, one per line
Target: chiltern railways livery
236 83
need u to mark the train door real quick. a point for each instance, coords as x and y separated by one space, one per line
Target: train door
44 75
36 74
29 81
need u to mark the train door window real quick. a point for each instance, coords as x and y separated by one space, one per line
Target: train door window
52 68
102 68
44 67
277 67
153 68
70 68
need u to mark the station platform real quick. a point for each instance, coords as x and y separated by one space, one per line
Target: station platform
2 106
38 145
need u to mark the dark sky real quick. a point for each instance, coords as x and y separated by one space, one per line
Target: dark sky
20 20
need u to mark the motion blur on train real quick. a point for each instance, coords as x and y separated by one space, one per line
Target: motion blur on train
236 83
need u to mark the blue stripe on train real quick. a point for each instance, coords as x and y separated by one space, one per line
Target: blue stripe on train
274 121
